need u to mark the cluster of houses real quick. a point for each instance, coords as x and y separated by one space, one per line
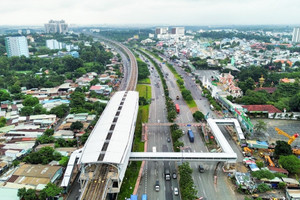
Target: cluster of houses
242 52
18 137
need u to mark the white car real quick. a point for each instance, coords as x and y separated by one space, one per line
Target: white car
176 191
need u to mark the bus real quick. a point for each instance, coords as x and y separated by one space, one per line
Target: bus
177 108
133 197
144 197
191 135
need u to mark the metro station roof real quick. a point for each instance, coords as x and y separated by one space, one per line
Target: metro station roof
112 136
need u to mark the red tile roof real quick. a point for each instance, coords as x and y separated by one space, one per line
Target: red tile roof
13 178
94 87
269 108
269 90
4 106
276 169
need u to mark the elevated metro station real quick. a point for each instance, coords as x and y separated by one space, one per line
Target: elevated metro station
105 155
104 158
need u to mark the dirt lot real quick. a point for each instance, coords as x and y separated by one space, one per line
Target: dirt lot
289 126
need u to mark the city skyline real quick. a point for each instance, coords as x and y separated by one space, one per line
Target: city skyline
177 12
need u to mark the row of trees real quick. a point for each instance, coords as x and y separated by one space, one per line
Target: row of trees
169 102
176 133
187 187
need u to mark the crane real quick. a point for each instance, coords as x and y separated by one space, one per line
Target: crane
291 138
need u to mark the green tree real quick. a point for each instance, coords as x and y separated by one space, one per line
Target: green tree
95 81
84 138
255 97
259 164
198 116
64 161
49 132
26 111
43 156
282 185
2 121
290 163
77 100
280 175
263 174
172 115
260 126
263 187
44 139
295 102
186 94
176 134
283 148
15 163
4 95
15 89
248 84
60 142
38 109
30 101
76 126
60 111
22 192
50 191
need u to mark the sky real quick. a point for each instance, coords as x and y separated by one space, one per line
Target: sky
150 12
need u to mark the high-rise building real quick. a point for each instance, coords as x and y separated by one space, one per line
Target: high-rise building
56 27
161 30
177 31
53 44
16 46
296 35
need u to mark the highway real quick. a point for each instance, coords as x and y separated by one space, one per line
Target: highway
157 138
204 182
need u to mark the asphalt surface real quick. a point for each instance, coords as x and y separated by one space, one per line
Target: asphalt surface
157 138
204 182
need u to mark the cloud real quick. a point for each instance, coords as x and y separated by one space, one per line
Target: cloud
184 12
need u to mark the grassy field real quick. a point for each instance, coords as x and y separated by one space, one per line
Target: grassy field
144 91
191 104
144 81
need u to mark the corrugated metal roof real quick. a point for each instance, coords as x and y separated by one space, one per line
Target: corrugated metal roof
122 133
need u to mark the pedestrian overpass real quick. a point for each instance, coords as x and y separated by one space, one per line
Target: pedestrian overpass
183 156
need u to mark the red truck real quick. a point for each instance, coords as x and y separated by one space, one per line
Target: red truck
177 108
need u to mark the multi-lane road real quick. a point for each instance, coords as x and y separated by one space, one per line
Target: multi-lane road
157 137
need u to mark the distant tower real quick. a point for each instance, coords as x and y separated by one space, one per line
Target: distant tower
56 27
261 81
296 35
